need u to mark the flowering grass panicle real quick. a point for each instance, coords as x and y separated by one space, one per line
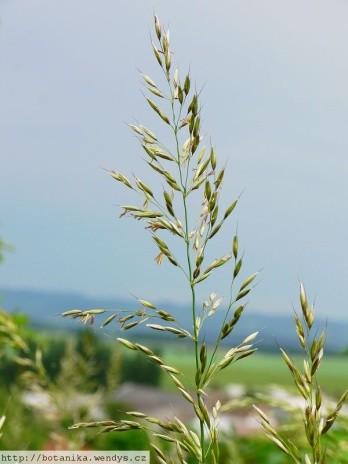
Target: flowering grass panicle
317 422
187 170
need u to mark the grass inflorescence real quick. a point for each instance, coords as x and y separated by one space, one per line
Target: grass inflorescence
187 171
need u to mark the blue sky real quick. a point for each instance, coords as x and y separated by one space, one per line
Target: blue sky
275 104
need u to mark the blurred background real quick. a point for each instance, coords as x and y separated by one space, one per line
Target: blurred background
274 90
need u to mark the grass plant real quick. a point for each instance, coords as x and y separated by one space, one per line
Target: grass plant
189 170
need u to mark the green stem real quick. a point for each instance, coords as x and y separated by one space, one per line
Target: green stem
175 129
310 398
192 286
193 295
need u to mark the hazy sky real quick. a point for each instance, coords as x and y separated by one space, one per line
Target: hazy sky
275 77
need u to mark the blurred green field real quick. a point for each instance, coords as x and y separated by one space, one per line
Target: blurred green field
262 369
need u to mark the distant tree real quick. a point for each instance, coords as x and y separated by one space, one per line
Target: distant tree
4 247
139 369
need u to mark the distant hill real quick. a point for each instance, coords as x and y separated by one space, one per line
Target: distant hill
44 309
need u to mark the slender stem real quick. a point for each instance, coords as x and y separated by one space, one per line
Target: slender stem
190 274
193 292
175 128
310 397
